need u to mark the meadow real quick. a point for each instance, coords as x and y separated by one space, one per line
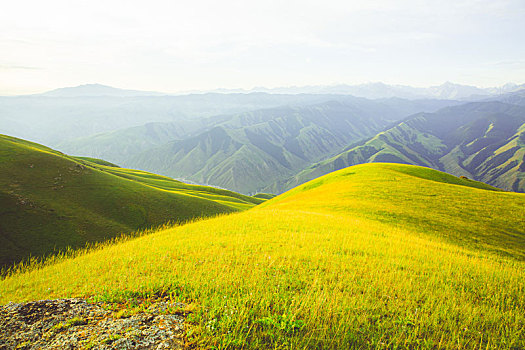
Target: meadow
371 256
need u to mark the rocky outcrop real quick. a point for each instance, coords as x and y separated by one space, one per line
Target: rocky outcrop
77 324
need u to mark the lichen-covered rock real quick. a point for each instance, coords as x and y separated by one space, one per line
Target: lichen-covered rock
77 324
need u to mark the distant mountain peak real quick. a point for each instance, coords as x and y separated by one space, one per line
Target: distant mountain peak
94 86
92 90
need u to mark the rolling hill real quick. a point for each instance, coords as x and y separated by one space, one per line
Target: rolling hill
50 201
264 195
484 141
371 256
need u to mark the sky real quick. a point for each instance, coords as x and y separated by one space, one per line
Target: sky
174 46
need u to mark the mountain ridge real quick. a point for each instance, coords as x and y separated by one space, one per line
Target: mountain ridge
274 143
94 90
377 90
481 140
374 90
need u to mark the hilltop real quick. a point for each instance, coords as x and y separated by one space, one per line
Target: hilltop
92 90
50 201
375 255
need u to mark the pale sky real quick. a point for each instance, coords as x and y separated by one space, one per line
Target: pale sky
173 46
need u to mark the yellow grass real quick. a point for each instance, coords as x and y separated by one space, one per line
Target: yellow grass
319 268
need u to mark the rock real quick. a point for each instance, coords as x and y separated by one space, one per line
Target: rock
75 323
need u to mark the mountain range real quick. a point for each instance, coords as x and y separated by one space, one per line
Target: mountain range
271 142
93 90
54 120
249 151
484 141
273 150
375 90
372 90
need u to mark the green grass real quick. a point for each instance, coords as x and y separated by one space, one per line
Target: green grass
50 201
76 321
372 256
96 161
264 195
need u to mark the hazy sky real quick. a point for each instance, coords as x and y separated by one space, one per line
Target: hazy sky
182 45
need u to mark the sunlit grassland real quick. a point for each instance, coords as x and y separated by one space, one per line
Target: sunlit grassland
370 256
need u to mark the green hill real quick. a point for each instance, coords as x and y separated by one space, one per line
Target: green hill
97 161
371 256
264 195
455 215
484 141
49 201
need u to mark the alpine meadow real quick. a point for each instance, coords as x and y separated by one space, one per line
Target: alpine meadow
376 255
262 175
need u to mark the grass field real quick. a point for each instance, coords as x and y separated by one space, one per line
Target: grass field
372 256
49 201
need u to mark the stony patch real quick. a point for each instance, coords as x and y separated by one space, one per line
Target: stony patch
77 324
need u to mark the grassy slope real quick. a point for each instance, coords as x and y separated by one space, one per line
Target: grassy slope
96 161
264 195
50 200
376 255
